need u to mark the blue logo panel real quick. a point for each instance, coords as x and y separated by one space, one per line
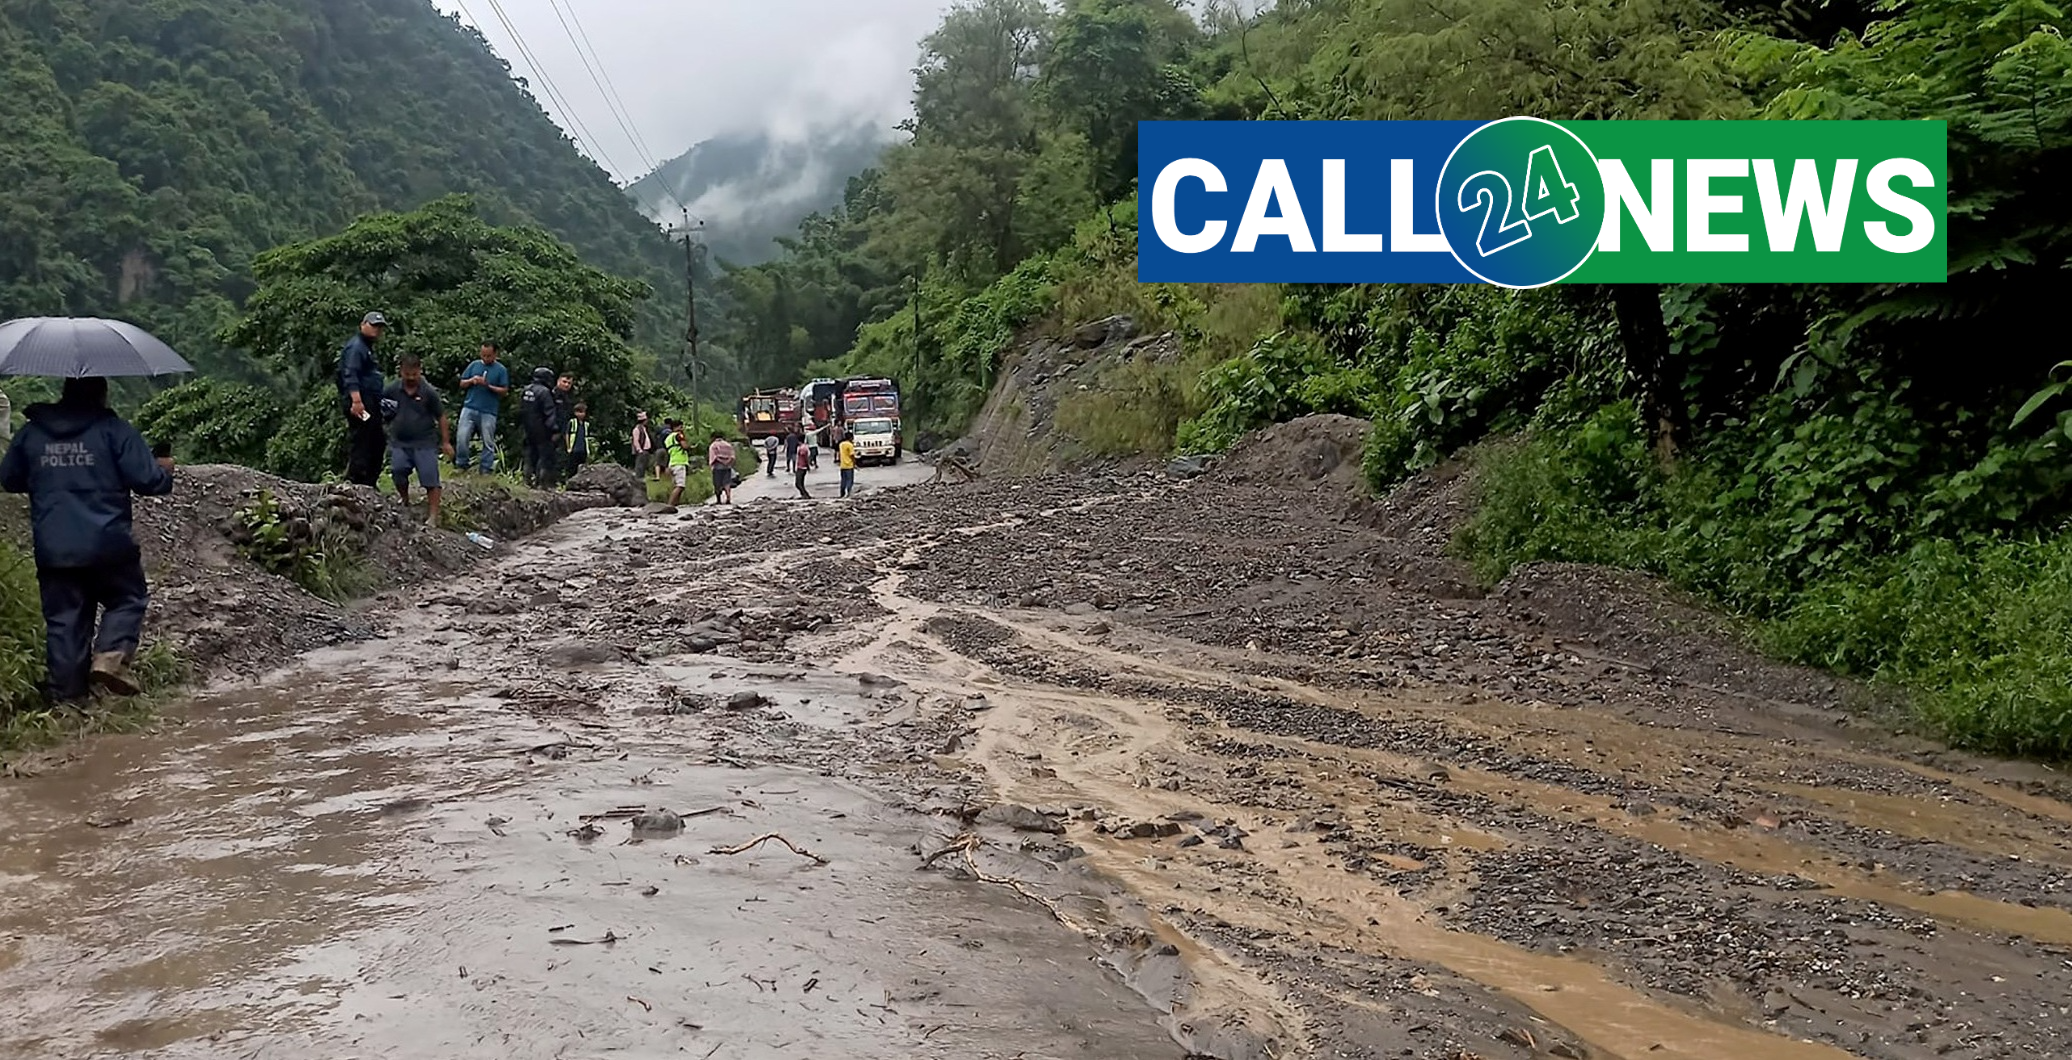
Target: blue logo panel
1294 202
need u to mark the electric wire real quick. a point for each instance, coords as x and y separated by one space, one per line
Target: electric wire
601 76
601 81
554 93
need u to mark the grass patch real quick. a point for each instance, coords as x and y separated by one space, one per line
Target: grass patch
29 723
697 487
21 629
320 559
1976 632
1134 409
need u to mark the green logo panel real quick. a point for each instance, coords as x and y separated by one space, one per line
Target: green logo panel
1769 202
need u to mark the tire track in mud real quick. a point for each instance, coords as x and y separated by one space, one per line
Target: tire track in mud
1620 895
1794 886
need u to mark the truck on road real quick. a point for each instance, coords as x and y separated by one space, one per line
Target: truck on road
876 439
820 404
871 398
765 413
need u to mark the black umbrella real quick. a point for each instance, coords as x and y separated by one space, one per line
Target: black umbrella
78 347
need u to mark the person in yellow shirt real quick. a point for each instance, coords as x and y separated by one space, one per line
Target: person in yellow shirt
845 454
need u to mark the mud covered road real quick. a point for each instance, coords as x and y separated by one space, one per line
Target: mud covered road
1232 767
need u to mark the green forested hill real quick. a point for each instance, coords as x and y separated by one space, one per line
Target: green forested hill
149 149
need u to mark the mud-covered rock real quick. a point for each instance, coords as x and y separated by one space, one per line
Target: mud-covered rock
1020 818
658 822
573 653
613 480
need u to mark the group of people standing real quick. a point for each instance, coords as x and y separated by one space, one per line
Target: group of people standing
669 452
407 418
802 453
407 421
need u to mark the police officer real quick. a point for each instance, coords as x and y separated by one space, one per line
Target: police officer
79 463
539 415
359 394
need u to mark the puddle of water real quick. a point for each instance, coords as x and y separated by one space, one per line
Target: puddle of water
314 872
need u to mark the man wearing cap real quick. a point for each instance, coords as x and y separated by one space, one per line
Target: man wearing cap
644 448
359 392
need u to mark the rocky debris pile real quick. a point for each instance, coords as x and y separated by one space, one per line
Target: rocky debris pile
507 513
615 481
226 611
1318 455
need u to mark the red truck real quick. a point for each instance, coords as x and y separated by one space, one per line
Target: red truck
869 397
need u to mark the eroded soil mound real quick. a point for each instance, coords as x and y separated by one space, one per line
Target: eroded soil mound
613 480
226 612
1319 454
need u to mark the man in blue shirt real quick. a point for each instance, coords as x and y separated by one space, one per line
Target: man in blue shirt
79 463
484 384
359 394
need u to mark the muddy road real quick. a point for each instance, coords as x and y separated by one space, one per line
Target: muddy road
1073 768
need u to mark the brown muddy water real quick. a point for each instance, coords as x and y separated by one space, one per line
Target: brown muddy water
320 867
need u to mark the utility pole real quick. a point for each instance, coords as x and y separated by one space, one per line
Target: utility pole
691 247
915 283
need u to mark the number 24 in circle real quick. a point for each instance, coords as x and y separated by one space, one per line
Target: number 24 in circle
1543 196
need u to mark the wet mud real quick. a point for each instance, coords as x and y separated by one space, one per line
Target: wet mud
1041 768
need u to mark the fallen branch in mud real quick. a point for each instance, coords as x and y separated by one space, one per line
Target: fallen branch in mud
969 842
627 812
760 840
962 842
609 938
963 469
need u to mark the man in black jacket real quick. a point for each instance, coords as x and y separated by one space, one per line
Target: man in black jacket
538 414
359 394
79 463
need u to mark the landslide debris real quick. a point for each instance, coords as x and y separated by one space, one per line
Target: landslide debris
225 612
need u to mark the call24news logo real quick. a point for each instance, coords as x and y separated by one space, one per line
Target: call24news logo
1524 202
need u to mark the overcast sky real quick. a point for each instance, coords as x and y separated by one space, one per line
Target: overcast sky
687 70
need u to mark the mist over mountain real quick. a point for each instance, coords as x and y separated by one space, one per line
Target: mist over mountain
752 187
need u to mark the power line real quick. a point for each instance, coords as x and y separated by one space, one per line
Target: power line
600 75
602 81
554 93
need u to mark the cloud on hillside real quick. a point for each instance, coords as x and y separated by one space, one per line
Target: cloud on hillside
690 70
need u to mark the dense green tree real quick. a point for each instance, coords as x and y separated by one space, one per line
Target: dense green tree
1112 64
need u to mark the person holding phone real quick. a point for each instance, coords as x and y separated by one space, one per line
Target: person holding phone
359 393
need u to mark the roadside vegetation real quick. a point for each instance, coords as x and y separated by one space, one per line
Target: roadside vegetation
26 721
1842 466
